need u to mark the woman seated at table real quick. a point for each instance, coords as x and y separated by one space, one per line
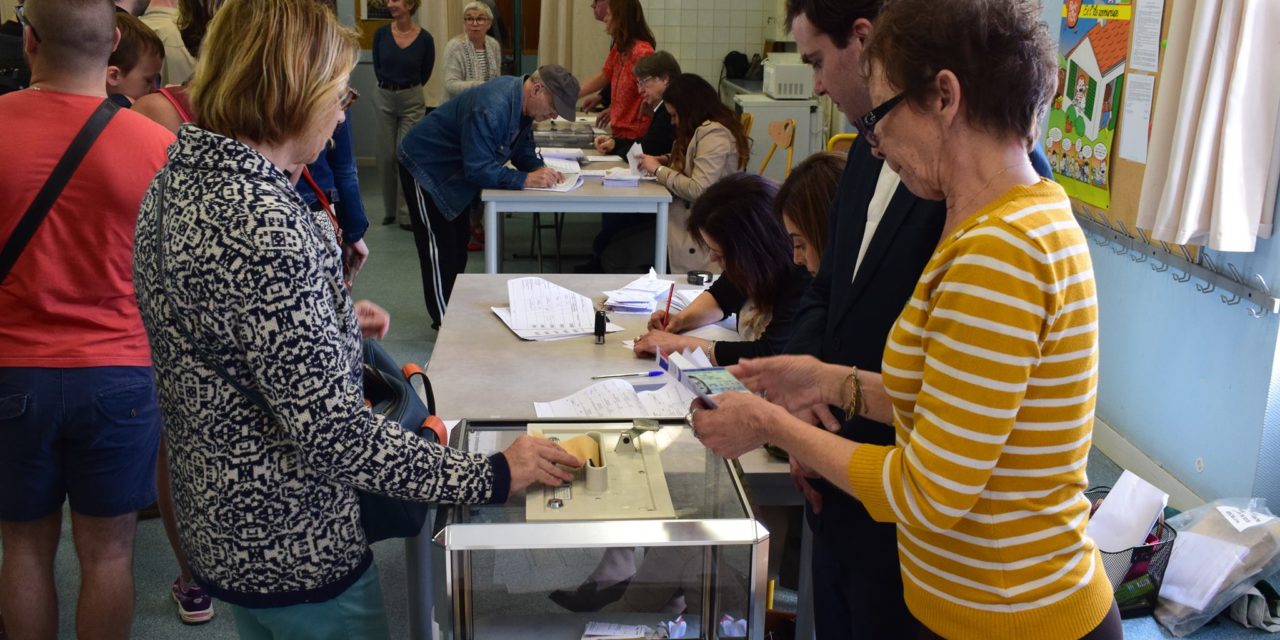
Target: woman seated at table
256 344
990 374
653 74
734 221
804 205
624 237
710 144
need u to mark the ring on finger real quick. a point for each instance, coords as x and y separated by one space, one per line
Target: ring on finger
688 419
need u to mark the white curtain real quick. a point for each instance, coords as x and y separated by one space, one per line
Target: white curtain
1214 157
571 37
443 20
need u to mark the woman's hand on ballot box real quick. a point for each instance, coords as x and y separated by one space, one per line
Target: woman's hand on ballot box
533 459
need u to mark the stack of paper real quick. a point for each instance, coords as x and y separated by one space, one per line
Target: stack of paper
541 310
683 298
619 399
611 631
620 177
641 295
560 152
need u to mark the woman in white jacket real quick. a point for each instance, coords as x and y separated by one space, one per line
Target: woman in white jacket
471 58
710 144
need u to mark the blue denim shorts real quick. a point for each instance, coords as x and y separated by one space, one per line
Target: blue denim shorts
89 435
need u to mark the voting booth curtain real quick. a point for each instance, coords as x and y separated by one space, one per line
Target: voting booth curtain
443 20
1214 157
573 38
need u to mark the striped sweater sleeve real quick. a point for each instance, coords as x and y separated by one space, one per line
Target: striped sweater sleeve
978 320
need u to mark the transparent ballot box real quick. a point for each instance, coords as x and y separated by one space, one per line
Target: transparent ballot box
653 535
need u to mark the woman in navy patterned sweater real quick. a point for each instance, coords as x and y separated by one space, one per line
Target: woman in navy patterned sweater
233 271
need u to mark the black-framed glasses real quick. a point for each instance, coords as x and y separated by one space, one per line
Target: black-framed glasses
350 96
866 125
476 19
22 19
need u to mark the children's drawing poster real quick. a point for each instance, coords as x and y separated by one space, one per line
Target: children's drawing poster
1083 115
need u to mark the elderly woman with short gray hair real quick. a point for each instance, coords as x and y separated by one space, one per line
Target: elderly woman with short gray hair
471 58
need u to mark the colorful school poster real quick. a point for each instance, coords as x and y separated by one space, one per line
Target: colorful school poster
1083 115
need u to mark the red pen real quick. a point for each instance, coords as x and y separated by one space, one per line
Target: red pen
666 317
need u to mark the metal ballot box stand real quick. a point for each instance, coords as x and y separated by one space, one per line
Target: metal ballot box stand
495 566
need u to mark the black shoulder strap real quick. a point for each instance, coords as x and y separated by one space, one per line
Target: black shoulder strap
53 187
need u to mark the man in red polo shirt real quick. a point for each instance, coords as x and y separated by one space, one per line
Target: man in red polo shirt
78 415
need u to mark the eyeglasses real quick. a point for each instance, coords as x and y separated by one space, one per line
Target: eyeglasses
22 18
641 82
348 98
475 19
866 125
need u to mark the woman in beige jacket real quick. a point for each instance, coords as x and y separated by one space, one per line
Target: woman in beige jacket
710 144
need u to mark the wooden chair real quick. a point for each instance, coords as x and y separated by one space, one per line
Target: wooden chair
783 135
841 142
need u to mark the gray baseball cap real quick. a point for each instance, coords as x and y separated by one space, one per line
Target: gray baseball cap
563 87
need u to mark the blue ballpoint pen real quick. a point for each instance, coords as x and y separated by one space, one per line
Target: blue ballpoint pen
633 374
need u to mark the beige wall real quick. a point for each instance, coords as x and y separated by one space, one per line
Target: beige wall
6 9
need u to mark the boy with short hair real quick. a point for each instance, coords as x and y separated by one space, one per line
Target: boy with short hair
134 68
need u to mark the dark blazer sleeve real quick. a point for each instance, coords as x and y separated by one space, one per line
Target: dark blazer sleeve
728 297
661 135
781 325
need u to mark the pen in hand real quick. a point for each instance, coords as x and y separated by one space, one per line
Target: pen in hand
666 316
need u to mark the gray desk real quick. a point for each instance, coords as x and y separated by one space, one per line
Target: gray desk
481 370
591 197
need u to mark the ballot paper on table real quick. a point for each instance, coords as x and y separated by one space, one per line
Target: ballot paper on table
541 310
618 399
633 157
570 182
594 158
563 165
620 177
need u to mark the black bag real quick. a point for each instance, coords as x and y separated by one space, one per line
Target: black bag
736 65
390 392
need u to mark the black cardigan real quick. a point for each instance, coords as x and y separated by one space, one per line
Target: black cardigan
777 334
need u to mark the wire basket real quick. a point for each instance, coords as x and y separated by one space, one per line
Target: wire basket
1136 574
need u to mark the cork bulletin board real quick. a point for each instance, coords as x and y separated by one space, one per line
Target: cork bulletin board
370 15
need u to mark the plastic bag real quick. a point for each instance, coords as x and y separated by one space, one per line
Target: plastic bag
1223 548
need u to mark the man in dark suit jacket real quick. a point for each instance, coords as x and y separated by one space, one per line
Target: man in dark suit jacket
855 299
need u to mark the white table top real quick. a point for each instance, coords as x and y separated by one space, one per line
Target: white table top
481 370
648 191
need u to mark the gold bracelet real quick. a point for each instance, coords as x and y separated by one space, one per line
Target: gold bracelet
858 404
854 406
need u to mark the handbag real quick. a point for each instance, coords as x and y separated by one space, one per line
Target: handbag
387 389
390 392
53 186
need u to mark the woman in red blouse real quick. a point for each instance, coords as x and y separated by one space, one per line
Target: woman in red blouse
632 40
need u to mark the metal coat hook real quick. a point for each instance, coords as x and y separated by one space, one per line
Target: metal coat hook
1119 249
1235 273
1185 253
1122 228
1143 234
1208 263
1099 240
1262 283
1232 301
1258 313
1185 277
1160 267
1138 257
1207 287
